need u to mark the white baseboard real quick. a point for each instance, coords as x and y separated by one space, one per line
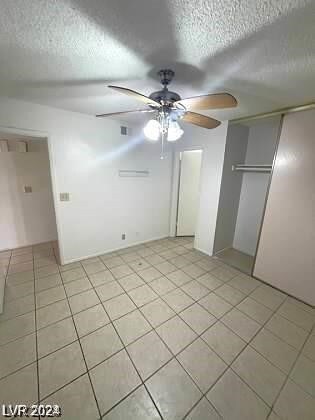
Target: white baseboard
24 245
113 250
203 251
223 249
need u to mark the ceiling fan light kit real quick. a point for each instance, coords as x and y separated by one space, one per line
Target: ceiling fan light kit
152 130
174 131
164 125
169 108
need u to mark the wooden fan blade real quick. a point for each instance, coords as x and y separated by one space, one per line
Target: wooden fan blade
125 112
214 101
200 120
135 95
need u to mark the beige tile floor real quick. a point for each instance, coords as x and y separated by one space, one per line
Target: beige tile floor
237 259
153 331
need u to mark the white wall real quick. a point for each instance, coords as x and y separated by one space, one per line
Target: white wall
262 139
86 154
26 218
235 152
212 143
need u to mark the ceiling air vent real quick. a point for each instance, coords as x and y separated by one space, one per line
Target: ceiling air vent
123 130
4 146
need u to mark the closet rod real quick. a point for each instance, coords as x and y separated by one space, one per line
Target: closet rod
252 168
281 111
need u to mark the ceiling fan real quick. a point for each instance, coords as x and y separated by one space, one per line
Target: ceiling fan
169 108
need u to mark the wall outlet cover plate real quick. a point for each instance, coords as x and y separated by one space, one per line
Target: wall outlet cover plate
64 196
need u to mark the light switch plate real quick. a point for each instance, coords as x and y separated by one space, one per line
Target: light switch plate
64 196
123 130
27 189
4 146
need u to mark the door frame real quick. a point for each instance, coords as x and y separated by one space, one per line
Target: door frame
52 170
268 190
176 185
178 189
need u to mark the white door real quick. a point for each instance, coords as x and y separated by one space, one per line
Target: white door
188 197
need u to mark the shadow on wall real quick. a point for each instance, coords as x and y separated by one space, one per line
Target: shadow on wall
159 36
246 82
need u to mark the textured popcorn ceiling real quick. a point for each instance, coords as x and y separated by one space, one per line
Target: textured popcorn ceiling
63 52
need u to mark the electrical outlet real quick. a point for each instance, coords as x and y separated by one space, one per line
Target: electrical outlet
64 196
123 236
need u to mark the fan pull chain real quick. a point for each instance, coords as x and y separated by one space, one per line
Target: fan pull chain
162 138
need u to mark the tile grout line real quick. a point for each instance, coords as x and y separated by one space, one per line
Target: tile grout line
290 371
198 336
5 280
83 356
142 382
132 362
139 307
87 275
125 348
178 313
174 356
249 344
36 336
142 337
204 394
228 365
158 297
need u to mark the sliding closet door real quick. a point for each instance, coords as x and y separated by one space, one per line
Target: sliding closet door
286 251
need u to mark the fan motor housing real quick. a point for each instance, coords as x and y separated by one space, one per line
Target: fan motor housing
165 95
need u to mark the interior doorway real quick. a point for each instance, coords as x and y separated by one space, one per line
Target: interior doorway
27 206
27 214
188 192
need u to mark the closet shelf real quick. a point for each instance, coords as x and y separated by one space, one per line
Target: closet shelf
252 168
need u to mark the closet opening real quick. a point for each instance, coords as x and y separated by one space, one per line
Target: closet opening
188 192
249 154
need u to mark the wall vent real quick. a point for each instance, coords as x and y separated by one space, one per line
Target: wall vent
4 146
21 146
123 130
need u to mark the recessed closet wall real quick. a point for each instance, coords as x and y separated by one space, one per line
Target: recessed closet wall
231 185
244 190
261 144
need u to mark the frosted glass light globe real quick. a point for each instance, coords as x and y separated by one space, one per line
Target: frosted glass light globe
152 130
174 131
